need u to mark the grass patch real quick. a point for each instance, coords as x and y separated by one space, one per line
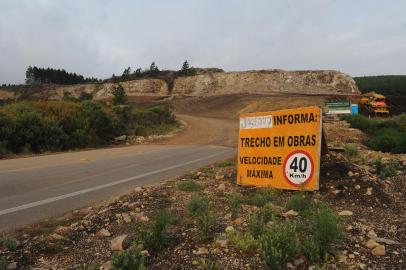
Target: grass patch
388 135
9 243
242 241
188 185
386 170
156 237
226 163
259 197
351 150
201 209
3 263
280 244
235 200
206 264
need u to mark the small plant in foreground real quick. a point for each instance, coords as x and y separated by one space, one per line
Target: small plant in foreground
200 208
300 203
130 259
10 244
157 238
267 212
386 170
259 197
256 225
326 228
234 200
241 241
279 244
3 263
351 149
226 163
189 185
93 266
206 264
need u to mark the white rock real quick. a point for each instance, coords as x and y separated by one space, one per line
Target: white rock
369 192
222 187
103 233
229 229
138 189
291 213
345 213
202 251
379 251
120 242
372 235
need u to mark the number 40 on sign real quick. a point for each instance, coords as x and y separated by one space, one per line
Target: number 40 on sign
280 149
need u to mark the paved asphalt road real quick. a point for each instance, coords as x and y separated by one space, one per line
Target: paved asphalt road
35 188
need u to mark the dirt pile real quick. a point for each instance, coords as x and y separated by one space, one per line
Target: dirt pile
266 82
209 83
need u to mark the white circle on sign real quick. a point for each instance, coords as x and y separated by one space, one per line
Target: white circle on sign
298 168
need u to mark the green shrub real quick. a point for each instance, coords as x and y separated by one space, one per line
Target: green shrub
201 209
226 163
242 241
197 204
234 200
351 150
206 264
386 170
189 185
326 228
259 197
310 249
85 96
3 263
279 244
130 259
119 95
94 265
157 237
267 212
300 203
256 224
48 246
383 135
9 243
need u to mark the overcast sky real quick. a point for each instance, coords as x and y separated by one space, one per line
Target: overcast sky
98 38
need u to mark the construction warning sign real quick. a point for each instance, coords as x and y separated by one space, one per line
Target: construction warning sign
280 149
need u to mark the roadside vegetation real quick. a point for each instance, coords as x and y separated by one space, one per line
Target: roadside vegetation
394 85
38 126
386 135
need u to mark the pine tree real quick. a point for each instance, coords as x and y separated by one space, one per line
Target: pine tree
119 95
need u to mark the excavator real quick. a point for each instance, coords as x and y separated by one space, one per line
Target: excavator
373 104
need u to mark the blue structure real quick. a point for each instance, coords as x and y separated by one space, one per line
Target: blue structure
354 109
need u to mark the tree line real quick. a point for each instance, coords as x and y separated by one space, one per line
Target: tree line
35 75
392 85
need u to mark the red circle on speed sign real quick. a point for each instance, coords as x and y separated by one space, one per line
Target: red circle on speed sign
298 168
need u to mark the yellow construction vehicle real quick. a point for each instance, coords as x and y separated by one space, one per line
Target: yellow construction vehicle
373 104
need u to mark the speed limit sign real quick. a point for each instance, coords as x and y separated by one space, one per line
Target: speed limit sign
298 168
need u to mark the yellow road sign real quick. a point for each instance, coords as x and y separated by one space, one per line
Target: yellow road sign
280 149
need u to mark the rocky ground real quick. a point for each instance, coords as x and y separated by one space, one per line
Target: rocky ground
371 205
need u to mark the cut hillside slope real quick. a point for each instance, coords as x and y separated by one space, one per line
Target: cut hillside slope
204 84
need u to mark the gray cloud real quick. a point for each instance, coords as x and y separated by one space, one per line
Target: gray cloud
98 38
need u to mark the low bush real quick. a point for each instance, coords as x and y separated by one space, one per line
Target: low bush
61 125
130 259
386 170
300 203
241 241
9 243
280 244
189 185
235 200
351 150
326 228
226 163
3 263
388 135
259 197
256 224
157 237
206 264
267 212
201 209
